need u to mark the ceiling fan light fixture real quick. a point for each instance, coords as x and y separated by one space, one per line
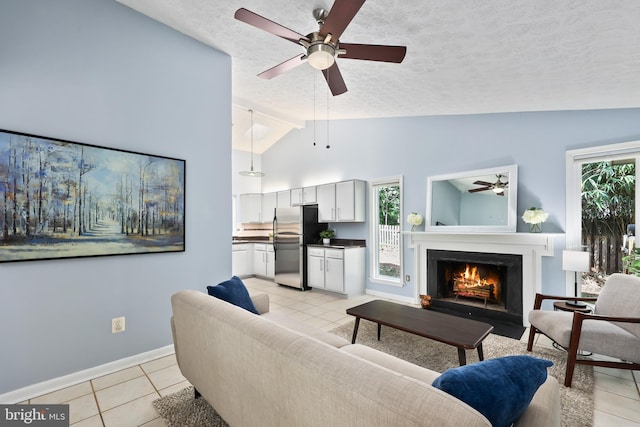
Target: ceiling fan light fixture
251 172
321 56
498 190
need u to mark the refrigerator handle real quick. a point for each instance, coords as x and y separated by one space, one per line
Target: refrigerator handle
275 236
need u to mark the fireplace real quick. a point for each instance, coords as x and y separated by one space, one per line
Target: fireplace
532 248
476 284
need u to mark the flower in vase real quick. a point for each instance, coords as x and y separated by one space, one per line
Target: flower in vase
534 216
415 219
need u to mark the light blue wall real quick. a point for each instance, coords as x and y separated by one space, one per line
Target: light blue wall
417 147
95 71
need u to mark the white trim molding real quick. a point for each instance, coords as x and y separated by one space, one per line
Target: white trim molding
45 387
532 247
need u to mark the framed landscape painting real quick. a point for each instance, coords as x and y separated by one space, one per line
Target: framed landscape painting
63 199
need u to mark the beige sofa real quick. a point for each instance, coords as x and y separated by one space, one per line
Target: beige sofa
268 370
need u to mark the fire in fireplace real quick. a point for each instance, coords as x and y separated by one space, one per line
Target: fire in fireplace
477 281
486 284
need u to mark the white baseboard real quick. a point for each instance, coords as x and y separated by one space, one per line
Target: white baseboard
399 298
35 390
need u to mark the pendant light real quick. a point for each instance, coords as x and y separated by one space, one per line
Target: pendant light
252 173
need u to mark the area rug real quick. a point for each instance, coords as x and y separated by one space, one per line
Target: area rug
576 403
182 410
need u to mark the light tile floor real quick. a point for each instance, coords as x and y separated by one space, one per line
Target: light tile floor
125 398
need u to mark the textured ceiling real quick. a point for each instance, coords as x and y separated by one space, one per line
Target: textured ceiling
463 57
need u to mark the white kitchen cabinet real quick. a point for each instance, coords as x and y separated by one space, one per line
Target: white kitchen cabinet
336 270
342 202
326 196
251 208
283 199
315 268
242 259
350 201
303 196
263 260
269 203
271 262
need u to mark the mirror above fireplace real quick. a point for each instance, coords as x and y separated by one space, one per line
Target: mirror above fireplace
479 201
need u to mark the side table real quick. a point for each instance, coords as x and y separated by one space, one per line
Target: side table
562 306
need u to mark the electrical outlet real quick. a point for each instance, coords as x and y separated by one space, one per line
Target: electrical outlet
407 278
117 325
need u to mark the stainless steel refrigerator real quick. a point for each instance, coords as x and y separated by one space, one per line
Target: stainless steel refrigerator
293 229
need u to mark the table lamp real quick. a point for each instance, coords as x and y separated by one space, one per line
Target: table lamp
575 261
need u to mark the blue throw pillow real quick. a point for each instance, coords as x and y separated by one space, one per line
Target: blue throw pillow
500 389
233 291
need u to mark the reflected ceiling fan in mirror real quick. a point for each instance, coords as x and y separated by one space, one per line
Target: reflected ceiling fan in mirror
497 187
323 46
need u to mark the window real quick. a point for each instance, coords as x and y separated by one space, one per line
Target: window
601 202
386 214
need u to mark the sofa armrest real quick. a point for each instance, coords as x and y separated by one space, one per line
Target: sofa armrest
261 302
544 409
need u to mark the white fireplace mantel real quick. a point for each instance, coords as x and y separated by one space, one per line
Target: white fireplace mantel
532 247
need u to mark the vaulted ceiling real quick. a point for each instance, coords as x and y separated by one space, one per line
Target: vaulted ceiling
463 57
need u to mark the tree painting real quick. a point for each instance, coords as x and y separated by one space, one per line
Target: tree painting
61 199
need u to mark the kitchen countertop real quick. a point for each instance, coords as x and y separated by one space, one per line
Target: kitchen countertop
257 240
341 244
332 246
335 243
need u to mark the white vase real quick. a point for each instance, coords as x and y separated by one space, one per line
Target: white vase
326 241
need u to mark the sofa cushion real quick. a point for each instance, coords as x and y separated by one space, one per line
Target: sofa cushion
500 389
304 328
233 291
388 361
620 297
597 336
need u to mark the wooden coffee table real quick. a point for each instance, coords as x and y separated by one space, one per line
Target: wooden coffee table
464 334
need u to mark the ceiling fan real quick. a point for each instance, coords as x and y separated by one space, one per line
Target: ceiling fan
323 46
497 187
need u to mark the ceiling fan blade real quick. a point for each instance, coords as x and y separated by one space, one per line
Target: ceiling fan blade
374 52
488 184
475 190
283 67
500 194
341 13
262 23
334 79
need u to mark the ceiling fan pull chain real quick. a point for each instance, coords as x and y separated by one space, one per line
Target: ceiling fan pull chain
328 90
314 109
251 111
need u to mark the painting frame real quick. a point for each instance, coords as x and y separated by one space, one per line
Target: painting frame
63 199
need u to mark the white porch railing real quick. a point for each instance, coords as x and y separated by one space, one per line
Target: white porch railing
389 243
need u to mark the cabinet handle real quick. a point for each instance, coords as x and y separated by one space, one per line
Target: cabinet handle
321 266
327 265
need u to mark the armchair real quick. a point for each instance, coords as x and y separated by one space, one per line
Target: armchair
612 330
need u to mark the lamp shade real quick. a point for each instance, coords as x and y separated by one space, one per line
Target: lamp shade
575 261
